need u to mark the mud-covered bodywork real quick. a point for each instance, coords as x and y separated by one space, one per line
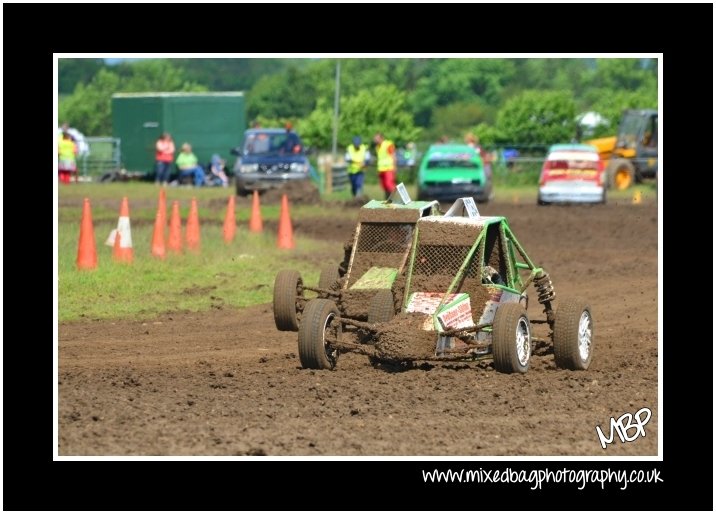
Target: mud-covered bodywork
461 294
460 271
374 256
380 250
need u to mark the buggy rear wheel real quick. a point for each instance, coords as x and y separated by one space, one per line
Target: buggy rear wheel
573 334
382 307
511 339
287 294
320 322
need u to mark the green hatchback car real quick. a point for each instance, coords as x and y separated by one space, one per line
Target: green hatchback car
451 171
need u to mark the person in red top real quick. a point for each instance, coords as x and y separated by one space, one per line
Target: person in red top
387 163
164 158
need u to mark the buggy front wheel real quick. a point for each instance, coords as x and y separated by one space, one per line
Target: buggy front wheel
319 327
511 339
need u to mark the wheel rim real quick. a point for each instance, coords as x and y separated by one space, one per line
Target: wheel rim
622 179
522 341
330 353
585 335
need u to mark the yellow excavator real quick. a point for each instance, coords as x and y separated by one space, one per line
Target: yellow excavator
632 154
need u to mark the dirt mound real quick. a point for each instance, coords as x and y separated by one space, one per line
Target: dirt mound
404 338
299 192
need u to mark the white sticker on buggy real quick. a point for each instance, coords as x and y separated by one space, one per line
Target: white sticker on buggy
427 303
461 205
458 315
404 196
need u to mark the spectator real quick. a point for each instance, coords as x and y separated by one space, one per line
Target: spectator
357 156
474 141
164 157
67 162
292 144
387 163
471 140
216 170
188 165
409 154
78 137
485 156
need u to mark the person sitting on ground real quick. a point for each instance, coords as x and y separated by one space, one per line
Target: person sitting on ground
188 164
216 170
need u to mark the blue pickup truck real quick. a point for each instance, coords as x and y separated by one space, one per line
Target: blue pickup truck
269 158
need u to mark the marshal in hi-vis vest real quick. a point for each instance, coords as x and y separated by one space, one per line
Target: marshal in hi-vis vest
357 156
385 160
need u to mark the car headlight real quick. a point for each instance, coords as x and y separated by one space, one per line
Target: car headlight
298 167
248 168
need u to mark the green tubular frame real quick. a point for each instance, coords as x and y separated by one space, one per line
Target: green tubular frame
513 278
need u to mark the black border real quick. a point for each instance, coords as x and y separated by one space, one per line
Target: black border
32 481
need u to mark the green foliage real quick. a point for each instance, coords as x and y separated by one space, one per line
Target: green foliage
622 74
456 119
447 81
611 104
489 134
287 95
88 108
234 74
503 100
549 74
538 117
73 71
618 84
379 109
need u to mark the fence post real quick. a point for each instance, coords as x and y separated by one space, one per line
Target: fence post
327 167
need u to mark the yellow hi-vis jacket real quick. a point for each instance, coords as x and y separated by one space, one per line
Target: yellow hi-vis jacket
385 160
357 158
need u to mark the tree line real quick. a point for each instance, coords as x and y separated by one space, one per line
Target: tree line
502 100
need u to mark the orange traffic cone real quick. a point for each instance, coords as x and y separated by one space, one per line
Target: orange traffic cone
285 230
122 251
174 243
255 222
230 221
158 248
193 239
86 249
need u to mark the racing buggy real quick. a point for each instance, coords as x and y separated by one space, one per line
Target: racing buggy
373 258
461 296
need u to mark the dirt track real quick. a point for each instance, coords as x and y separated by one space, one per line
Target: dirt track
225 382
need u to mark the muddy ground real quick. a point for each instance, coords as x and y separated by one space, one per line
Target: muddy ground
225 382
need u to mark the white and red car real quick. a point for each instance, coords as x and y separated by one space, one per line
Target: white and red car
572 173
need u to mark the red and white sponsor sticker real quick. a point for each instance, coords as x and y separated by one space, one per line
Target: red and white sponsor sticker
457 315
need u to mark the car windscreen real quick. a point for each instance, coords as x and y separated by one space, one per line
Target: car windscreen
572 161
263 143
451 163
